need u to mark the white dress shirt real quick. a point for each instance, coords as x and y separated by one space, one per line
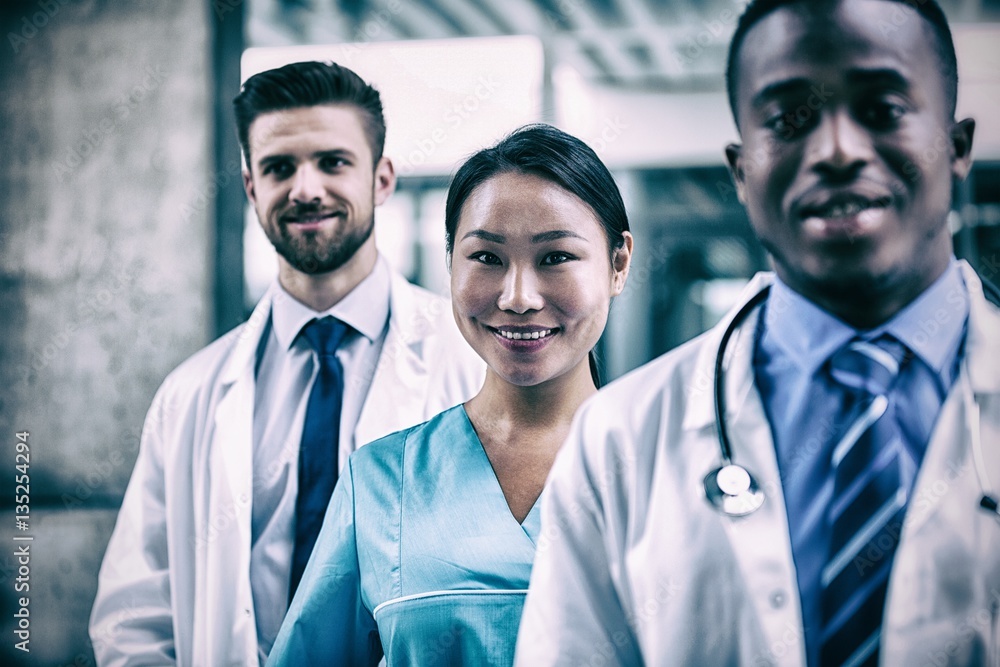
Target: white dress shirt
286 369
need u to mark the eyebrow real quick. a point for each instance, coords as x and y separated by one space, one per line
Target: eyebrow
537 238
886 76
280 157
778 89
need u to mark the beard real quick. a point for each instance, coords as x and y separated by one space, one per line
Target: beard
313 253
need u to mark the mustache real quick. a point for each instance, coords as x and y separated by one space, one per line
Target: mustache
299 211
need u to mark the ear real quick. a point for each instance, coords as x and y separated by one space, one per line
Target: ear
961 143
385 180
248 187
734 157
621 261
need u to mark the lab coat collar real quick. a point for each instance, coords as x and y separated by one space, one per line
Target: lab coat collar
984 330
402 371
702 413
244 355
984 326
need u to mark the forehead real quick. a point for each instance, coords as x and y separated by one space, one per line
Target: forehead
828 40
521 205
324 127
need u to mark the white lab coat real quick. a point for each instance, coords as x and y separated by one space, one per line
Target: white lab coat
175 583
634 566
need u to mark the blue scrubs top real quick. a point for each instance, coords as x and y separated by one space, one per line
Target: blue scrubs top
419 558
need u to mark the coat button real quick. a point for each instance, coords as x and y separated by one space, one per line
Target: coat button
777 599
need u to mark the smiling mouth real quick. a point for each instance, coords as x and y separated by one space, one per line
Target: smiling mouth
844 207
523 334
310 218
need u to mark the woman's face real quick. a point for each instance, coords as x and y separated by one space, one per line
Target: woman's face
531 277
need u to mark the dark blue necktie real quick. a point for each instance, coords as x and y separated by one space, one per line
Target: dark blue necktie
865 514
320 441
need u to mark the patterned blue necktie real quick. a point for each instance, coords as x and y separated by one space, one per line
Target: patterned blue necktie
318 465
865 514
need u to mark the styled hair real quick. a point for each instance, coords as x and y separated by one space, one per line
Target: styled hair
547 152
308 84
929 9
550 153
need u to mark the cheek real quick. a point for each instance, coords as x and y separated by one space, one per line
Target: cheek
584 294
470 295
268 199
770 168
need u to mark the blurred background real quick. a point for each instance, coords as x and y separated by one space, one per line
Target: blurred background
126 243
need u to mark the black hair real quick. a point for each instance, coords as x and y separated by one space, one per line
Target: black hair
929 9
307 84
549 153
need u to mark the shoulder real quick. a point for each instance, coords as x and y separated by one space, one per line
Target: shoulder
391 447
416 309
385 455
195 379
425 322
201 367
675 377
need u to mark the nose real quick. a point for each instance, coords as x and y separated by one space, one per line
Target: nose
307 185
520 291
839 147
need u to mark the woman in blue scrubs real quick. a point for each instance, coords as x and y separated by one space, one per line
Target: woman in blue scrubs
427 545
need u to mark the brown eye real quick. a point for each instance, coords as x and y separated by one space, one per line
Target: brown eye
484 258
279 170
556 258
882 115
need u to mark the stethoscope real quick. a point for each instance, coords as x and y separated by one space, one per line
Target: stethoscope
731 488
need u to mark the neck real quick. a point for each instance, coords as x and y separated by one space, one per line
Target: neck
322 291
546 406
869 303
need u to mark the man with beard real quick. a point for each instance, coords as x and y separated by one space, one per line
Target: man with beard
814 481
243 443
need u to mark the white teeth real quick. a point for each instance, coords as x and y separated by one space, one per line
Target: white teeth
846 210
517 335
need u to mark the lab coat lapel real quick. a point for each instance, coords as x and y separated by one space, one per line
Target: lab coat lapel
398 390
946 571
225 468
759 541
948 468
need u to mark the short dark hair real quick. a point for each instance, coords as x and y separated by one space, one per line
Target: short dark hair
929 9
307 84
549 153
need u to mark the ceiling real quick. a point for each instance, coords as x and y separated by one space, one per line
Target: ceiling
645 44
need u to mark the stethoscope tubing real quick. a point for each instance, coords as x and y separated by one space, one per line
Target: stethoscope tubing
753 497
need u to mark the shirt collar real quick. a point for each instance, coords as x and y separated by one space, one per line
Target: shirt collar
365 308
803 331
932 325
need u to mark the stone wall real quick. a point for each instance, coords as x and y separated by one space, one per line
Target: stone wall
105 275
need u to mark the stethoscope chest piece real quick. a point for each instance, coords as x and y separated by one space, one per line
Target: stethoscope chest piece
733 491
